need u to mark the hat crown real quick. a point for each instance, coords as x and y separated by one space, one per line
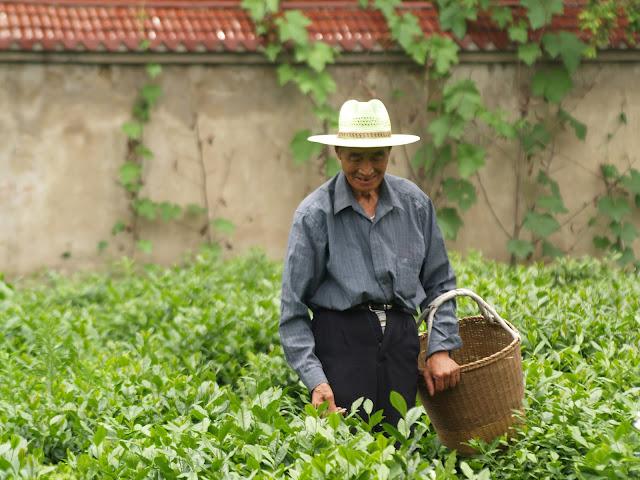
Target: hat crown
364 117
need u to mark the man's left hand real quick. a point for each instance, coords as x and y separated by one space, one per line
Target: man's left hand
441 372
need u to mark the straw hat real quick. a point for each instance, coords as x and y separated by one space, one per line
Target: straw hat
364 124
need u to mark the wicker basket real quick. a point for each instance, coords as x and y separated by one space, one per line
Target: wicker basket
491 383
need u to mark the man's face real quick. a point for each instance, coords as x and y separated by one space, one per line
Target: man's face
364 167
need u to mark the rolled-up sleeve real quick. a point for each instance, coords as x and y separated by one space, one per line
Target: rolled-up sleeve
437 277
304 268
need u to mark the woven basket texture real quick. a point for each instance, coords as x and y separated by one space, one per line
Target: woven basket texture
491 386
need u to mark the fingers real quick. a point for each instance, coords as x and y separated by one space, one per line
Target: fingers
323 393
429 381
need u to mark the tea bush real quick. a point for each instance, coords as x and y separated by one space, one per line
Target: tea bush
178 373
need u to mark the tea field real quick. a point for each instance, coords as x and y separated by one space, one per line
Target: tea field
149 372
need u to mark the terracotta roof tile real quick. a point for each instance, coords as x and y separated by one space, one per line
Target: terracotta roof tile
222 25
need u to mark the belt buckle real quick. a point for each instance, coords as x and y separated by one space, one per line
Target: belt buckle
385 307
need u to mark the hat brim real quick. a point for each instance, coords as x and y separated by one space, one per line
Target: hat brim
392 141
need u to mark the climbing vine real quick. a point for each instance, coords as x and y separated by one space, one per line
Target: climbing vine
447 161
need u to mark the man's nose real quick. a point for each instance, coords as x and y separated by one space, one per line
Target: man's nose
366 168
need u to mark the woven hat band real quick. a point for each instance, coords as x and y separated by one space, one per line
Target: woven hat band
364 134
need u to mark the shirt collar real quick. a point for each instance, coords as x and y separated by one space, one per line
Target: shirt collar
344 196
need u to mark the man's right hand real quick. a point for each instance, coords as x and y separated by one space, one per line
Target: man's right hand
323 393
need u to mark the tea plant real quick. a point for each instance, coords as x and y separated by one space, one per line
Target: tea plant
149 372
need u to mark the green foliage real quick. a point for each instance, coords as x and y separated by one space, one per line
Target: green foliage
147 372
552 83
541 11
449 222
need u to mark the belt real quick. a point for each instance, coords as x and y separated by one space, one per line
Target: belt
375 306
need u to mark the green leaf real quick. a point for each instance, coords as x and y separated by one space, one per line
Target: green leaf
142 151
536 138
153 70
614 207
293 26
443 51
302 149
577 436
319 55
601 243
540 224
449 222
102 245
632 181
627 257
398 402
553 202
145 246
467 470
470 159
453 16
460 191
130 174
502 16
151 93
566 45
407 30
518 33
319 84
541 11
627 232
439 129
424 157
579 128
133 130
520 248
609 172
118 227
169 211
332 167
286 73
222 225
194 209
463 98
552 84
258 9
550 250
145 208
272 51
529 53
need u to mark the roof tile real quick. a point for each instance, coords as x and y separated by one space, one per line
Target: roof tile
219 25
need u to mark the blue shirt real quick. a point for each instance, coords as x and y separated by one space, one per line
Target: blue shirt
338 258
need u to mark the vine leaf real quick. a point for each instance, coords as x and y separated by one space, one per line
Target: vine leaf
632 181
502 16
444 53
145 208
151 93
520 248
627 232
613 207
463 98
133 130
222 225
470 159
601 242
550 250
536 137
145 246
566 45
540 224
552 84
258 9
529 53
153 70
460 191
293 26
579 128
541 11
302 149
130 173
553 203
453 16
518 33
449 222
318 55
169 211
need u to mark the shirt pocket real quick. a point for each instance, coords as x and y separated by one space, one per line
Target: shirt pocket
407 277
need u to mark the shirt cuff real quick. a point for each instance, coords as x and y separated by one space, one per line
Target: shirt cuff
313 377
452 342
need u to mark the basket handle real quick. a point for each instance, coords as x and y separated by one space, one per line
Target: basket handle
487 311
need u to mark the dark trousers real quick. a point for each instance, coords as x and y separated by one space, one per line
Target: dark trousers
359 361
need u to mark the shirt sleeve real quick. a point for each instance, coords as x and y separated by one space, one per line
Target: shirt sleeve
437 277
304 268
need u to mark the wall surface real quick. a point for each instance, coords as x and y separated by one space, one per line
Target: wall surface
220 136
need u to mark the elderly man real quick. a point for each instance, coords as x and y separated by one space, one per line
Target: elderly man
364 253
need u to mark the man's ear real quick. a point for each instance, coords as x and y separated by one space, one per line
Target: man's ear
337 150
